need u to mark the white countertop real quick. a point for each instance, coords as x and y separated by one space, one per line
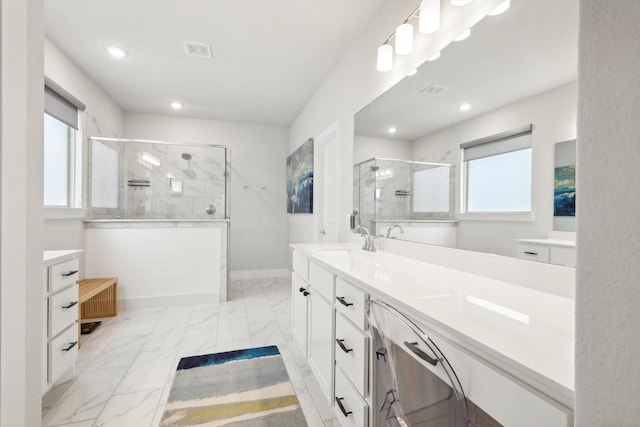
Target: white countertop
49 256
525 332
550 242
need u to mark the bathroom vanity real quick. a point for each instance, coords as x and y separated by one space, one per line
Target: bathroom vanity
511 346
60 315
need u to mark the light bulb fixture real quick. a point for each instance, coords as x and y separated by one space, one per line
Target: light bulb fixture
404 39
392 130
460 2
463 36
429 20
434 56
176 105
502 7
464 107
385 58
116 52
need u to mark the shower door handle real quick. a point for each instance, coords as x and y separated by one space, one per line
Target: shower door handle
413 346
323 232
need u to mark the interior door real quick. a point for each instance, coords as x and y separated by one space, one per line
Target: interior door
327 145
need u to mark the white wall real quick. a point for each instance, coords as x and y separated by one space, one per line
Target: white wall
608 273
258 158
21 213
354 82
366 147
553 115
102 118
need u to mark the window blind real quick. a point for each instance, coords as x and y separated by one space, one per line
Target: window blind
61 104
501 143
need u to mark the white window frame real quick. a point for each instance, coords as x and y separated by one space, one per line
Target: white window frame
75 200
493 145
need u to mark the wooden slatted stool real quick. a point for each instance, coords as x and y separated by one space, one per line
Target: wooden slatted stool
98 299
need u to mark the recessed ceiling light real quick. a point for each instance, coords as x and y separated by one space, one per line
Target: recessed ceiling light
463 35
464 107
502 7
116 52
392 130
176 105
412 73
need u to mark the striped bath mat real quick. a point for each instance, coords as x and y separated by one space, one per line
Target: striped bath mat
242 388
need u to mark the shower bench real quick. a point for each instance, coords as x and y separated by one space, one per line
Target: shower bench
98 299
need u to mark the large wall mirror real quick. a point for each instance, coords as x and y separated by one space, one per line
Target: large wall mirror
517 74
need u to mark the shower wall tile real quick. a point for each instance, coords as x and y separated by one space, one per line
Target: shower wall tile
193 188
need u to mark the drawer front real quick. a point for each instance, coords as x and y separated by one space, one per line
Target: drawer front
563 256
351 301
63 351
63 274
301 265
533 253
349 407
353 358
63 310
321 281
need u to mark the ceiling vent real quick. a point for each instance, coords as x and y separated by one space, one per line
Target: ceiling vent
433 90
198 49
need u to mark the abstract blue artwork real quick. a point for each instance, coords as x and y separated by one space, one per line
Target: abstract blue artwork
300 179
564 191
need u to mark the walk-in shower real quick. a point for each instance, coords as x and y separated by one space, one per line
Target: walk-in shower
409 195
140 179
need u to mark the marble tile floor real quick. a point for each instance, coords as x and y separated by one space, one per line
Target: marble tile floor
126 366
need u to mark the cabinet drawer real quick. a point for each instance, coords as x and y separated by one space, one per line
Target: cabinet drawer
350 301
533 253
63 351
349 407
352 353
300 265
321 281
63 310
63 274
563 256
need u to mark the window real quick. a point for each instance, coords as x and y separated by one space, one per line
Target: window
496 174
62 149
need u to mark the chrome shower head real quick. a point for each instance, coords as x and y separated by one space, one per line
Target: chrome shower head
186 156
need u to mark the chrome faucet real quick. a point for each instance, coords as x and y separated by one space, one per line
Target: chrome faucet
394 226
369 244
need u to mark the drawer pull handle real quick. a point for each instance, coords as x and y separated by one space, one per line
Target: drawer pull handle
306 293
413 346
70 273
71 304
343 302
342 409
530 253
71 345
343 347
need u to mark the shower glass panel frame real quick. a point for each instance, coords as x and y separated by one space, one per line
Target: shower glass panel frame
153 180
392 190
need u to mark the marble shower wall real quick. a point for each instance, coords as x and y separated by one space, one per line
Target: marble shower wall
158 181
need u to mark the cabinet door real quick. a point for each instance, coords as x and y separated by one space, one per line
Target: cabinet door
321 336
299 312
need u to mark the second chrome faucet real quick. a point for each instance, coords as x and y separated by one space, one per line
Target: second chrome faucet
369 243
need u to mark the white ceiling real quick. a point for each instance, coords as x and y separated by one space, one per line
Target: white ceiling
268 56
531 48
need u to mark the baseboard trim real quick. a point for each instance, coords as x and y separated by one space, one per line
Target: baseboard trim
259 274
169 301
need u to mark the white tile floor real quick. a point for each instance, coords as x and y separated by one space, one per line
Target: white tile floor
125 368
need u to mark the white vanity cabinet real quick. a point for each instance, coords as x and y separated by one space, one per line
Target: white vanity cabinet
552 251
502 388
60 315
